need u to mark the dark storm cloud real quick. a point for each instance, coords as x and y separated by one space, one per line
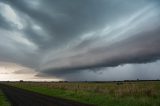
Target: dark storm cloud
4 24
142 49
65 37
147 71
65 20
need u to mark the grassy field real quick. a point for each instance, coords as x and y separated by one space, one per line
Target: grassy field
3 100
100 94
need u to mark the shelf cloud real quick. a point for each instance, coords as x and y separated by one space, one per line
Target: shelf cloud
73 39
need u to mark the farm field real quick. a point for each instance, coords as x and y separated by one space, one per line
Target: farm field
3 100
145 93
22 97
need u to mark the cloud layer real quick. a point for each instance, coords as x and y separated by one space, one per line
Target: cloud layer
64 38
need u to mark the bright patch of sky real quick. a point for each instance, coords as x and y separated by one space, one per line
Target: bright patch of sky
10 15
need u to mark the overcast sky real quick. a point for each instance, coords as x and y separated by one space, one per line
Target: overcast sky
79 39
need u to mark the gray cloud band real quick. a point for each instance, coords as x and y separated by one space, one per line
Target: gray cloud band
142 48
63 37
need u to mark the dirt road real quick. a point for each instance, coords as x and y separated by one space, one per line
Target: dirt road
20 97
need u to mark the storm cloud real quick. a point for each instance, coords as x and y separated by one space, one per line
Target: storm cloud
73 38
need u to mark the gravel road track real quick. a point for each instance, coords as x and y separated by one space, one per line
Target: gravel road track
20 97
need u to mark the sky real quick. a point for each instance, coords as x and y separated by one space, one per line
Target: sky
79 40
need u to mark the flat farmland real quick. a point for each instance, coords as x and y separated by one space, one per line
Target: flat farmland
140 93
22 97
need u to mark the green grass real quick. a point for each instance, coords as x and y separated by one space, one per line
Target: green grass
3 100
101 94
